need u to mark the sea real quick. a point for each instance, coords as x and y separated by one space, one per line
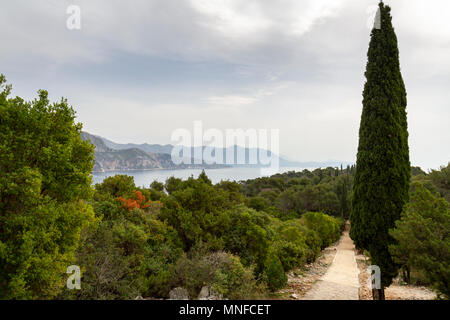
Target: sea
143 178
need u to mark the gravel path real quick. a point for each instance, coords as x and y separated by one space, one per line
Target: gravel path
340 282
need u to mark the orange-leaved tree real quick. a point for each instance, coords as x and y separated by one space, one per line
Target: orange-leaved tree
139 201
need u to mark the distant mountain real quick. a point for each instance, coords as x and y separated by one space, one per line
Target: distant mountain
130 156
98 142
134 159
122 159
153 148
167 149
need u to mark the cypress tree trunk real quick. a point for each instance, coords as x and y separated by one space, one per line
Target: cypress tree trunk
406 274
382 176
378 294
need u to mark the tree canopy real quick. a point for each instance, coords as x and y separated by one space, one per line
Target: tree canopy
45 179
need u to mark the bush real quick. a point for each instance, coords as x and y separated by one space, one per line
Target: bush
274 274
222 272
130 255
247 235
423 236
234 281
328 228
296 244
291 254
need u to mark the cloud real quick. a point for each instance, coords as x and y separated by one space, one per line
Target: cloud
231 101
296 65
238 19
187 30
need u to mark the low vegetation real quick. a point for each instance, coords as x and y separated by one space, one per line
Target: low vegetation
192 233
238 238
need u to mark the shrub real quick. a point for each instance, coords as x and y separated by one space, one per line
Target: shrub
220 271
423 236
291 254
106 269
130 255
248 236
234 281
295 244
291 247
328 228
274 274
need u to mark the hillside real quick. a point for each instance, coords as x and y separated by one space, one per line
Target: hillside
98 142
122 159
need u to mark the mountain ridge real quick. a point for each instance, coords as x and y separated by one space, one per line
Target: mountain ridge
111 156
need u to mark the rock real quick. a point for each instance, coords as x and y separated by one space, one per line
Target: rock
204 293
178 294
294 296
139 298
207 294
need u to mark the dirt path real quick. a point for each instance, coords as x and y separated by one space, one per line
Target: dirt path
340 274
301 280
340 282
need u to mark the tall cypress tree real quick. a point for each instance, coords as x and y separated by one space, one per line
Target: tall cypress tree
382 175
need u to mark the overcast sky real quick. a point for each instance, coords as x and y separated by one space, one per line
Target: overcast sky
138 70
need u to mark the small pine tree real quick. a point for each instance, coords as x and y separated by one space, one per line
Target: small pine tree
382 175
274 274
203 177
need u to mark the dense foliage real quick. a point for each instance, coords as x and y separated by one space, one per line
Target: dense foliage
44 184
192 234
423 238
291 194
383 170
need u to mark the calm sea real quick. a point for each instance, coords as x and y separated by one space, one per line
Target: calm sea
146 177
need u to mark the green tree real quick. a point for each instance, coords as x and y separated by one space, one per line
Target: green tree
383 169
197 210
441 179
423 236
117 186
44 184
343 190
158 186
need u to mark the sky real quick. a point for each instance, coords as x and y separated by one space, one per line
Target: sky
138 70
